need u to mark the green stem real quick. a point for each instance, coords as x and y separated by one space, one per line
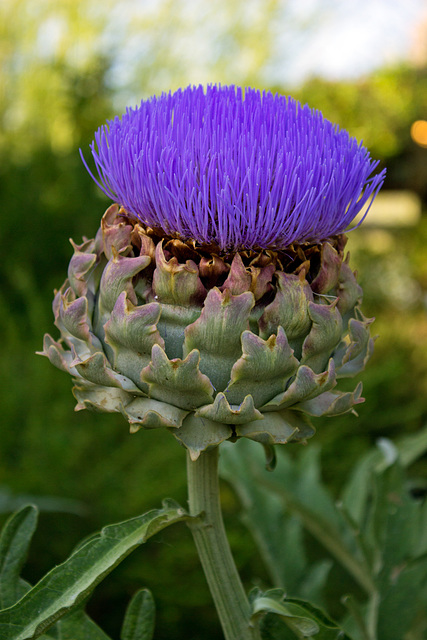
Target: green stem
214 551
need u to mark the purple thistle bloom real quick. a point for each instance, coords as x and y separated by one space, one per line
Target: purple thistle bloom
244 172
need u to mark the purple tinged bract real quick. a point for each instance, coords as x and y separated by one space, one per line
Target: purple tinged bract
243 170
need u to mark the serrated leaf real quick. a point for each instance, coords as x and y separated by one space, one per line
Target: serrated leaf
68 584
221 411
176 283
305 386
348 291
351 358
278 427
14 543
178 382
96 369
217 334
263 369
328 274
103 399
324 335
130 333
331 403
140 617
199 434
145 413
289 308
116 278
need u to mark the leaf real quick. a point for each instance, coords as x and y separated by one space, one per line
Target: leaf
298 485
324 335
412 447
263 370
356 621
304 619
140 617
78 626
221 411
69 583
10 502
358 488
217 334
278 535
177 381
131 331
14 542
400 602
198 434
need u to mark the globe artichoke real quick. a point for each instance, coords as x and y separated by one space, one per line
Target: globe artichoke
216 300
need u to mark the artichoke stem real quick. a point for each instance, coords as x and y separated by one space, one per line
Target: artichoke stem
214 550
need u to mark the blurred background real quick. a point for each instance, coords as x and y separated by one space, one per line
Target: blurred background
68 65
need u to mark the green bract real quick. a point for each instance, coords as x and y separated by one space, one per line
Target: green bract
210 346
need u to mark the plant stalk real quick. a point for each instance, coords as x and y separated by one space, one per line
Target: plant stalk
214 550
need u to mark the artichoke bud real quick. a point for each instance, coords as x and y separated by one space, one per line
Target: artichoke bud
211 347
216 300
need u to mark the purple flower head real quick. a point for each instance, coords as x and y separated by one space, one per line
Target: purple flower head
244 171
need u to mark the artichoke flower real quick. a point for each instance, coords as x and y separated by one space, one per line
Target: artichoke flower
216 299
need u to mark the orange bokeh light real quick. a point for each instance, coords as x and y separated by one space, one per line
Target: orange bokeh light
419 132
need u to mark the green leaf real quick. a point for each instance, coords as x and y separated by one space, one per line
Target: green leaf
177 381
412 447
324 335
147 413
14 542
263 370
355 623
298 485
400 599
278 535
77 626
279 427
140 617
306 386
198 434
289 308
357 490
304 619
11 502
131 332
306 497
221 411
68 584
217 334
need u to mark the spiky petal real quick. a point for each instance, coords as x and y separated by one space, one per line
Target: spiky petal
243 170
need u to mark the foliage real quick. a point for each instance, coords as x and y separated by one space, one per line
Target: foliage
375 532
55 604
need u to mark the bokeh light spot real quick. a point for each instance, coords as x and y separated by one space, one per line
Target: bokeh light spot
419 132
